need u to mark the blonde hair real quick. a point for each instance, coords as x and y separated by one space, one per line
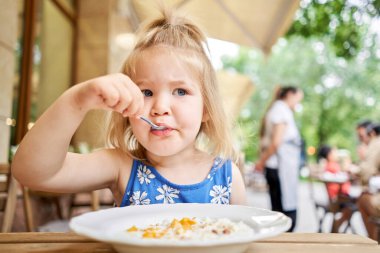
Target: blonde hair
177 32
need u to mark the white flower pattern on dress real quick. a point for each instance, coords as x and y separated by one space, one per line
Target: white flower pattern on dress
229 185
167 194
144 174
139 198
220 195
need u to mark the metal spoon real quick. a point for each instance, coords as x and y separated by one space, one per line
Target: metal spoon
152 125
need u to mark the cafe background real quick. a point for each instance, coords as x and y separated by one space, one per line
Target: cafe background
46 46
329 48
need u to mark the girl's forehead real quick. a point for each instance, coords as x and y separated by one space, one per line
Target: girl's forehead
167 52
165 61
164 49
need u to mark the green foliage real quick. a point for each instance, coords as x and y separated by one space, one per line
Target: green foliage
338 93
342 23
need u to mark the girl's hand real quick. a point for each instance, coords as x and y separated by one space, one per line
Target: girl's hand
115 92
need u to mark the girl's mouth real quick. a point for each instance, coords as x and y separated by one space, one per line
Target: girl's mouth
164 132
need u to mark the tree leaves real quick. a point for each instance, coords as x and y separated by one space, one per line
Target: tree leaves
338 92
341 22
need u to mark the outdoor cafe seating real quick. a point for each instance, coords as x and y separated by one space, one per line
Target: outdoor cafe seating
329 206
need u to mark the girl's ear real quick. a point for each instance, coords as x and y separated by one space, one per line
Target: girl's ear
205 116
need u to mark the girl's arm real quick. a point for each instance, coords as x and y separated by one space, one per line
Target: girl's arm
238 193
42 161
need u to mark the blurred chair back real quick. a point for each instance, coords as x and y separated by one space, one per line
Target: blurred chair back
8 197
322 204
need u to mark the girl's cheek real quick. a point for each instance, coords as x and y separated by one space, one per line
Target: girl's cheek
134 124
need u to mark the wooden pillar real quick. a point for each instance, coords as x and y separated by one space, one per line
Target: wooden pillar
8 37
23 110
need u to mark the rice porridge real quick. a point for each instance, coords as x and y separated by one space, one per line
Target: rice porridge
192 229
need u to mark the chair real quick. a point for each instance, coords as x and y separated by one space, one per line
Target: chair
328 206
376 221
92 199
28 208
8 197
322 208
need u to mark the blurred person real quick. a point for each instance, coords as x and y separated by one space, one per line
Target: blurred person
280 151
362 133
336 191
371 163
332 166
369 202
369 206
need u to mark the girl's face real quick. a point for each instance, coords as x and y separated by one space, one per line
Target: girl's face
172 98
333 155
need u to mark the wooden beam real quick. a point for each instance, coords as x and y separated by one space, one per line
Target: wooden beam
69 15
26 70
239 24
74 52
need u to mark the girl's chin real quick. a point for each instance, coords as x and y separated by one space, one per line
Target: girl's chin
162 151
160 154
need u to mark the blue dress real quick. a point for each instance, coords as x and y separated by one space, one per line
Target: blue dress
146 186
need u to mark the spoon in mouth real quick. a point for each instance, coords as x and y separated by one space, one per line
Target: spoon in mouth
152 125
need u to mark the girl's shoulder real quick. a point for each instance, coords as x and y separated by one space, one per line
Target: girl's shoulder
116 155
115 159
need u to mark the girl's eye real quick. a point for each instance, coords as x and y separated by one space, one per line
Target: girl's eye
180 92
147 93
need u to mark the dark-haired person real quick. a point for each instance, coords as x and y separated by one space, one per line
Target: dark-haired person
369 202
280 149
362 133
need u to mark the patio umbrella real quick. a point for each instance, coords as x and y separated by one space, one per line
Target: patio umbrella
235 89
253 23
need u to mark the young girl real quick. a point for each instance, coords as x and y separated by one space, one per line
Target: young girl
167 78
338 192
332 167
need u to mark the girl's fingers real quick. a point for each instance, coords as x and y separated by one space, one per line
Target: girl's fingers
110 96
137 104
116 92
131 93
125 98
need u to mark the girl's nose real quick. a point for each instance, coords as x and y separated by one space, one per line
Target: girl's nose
161 105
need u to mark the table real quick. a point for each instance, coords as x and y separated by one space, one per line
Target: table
287 242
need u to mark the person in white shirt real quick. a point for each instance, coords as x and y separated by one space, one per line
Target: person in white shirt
280 151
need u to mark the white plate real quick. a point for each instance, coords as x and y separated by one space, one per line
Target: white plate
110 225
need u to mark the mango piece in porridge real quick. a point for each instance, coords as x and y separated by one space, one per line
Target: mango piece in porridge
174 223
151 233
132 229
187 223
